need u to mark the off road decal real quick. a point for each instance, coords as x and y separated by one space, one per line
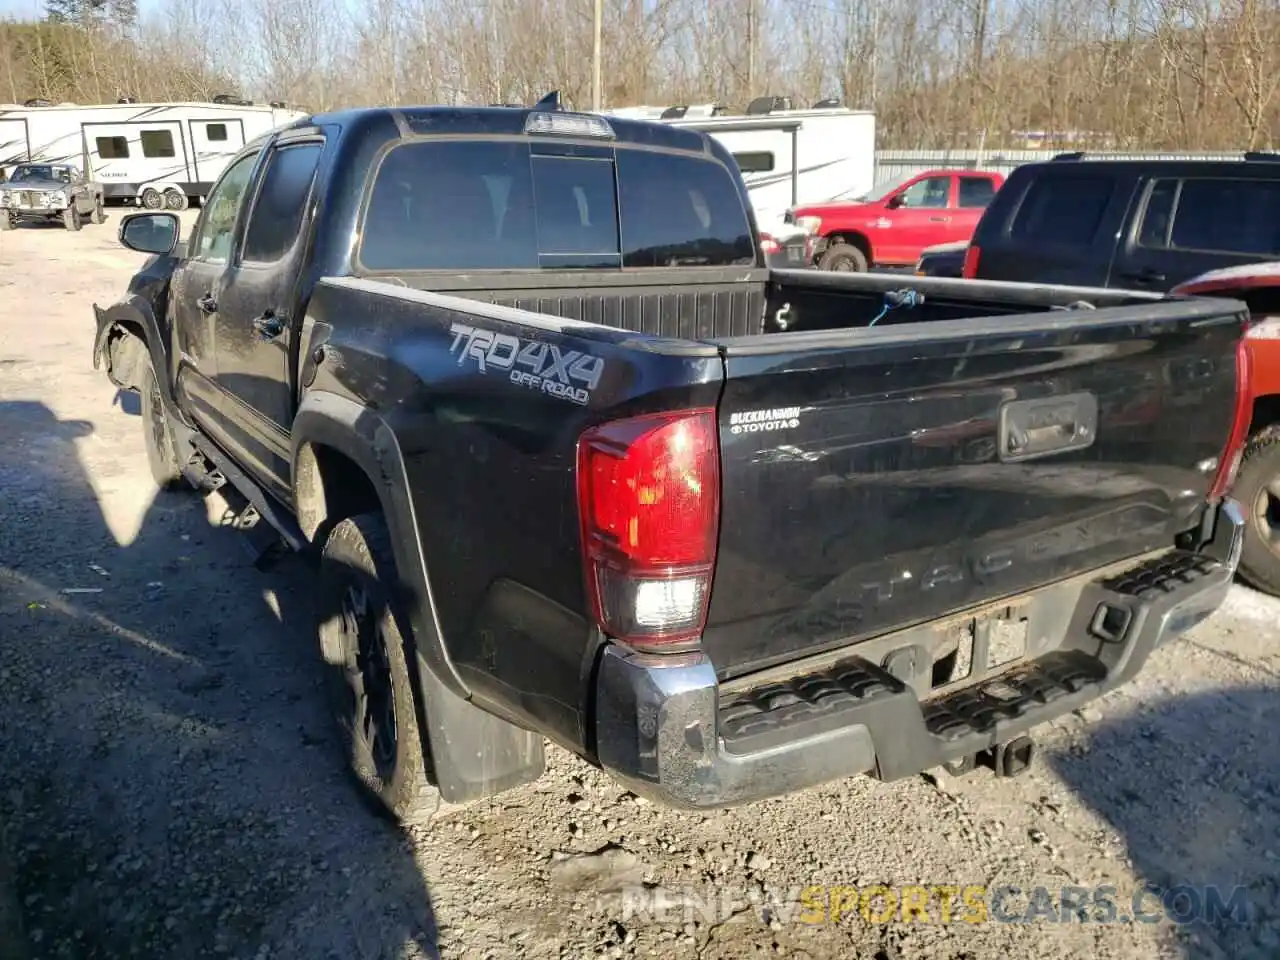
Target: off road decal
568 374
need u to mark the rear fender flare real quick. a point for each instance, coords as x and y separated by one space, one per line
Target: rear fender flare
362 436
473 753
133 316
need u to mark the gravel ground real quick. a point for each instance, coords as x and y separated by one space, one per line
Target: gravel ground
170 787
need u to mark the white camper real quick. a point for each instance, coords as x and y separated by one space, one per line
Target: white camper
153 154
787 156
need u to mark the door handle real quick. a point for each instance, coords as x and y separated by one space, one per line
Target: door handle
1145 276
269 326
940 219
207 304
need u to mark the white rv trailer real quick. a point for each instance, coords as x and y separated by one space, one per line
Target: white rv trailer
153 154
787 157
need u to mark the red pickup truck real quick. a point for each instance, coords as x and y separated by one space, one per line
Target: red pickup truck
895 222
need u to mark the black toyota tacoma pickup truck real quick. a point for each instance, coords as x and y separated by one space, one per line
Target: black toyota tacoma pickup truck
576 465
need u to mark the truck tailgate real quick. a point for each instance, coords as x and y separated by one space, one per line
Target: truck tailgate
874 479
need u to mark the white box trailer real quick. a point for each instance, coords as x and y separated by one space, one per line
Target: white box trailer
153 154
787 157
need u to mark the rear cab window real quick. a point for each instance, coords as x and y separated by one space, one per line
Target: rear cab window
534 204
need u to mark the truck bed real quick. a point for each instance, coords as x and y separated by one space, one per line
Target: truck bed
736 302
864 485
660 303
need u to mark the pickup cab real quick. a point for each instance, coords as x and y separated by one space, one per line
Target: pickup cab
575 465
893 224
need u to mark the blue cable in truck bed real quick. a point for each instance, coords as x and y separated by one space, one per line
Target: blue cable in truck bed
906 297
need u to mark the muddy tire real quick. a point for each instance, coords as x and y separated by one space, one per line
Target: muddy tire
175 200
844 258
162 450
71 218
6 220
99 215
366 642
1257 488
151 199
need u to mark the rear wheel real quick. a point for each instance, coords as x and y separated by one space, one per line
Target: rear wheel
1257 487
366 643
99 215
71 218
175 200
162 451
843 257
151 199
6 220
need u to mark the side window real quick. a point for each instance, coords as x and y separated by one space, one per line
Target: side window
212 240
112 148
282 201
1157 215
577 211
1228 216
157 143
976 191
760 162
215 132
1062 210
680 211
931 192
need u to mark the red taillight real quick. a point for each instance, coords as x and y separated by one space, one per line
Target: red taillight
1229 465
649 502
768 244
970 268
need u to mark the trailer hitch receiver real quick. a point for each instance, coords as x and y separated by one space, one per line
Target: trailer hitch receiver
1013 758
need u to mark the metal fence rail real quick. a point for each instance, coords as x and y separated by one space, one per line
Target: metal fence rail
892 164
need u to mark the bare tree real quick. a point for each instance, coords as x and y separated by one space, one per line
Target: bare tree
1155 74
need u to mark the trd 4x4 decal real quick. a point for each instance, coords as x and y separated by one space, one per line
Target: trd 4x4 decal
568 374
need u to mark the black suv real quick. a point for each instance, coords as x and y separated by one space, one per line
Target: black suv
1141 224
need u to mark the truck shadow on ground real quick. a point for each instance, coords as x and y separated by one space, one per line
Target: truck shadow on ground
1210 834
168 772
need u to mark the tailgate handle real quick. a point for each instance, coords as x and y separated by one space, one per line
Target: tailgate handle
1030 429
939 219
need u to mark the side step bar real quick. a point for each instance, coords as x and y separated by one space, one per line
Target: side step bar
208 469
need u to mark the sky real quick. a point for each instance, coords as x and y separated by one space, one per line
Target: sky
19 8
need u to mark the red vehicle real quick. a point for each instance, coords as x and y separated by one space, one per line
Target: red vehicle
1257 486
892 225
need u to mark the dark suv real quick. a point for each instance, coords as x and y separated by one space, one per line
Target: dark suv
1140 224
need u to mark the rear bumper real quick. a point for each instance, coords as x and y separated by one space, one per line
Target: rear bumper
664 729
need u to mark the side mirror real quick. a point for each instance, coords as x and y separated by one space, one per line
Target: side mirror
896 201
156 233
